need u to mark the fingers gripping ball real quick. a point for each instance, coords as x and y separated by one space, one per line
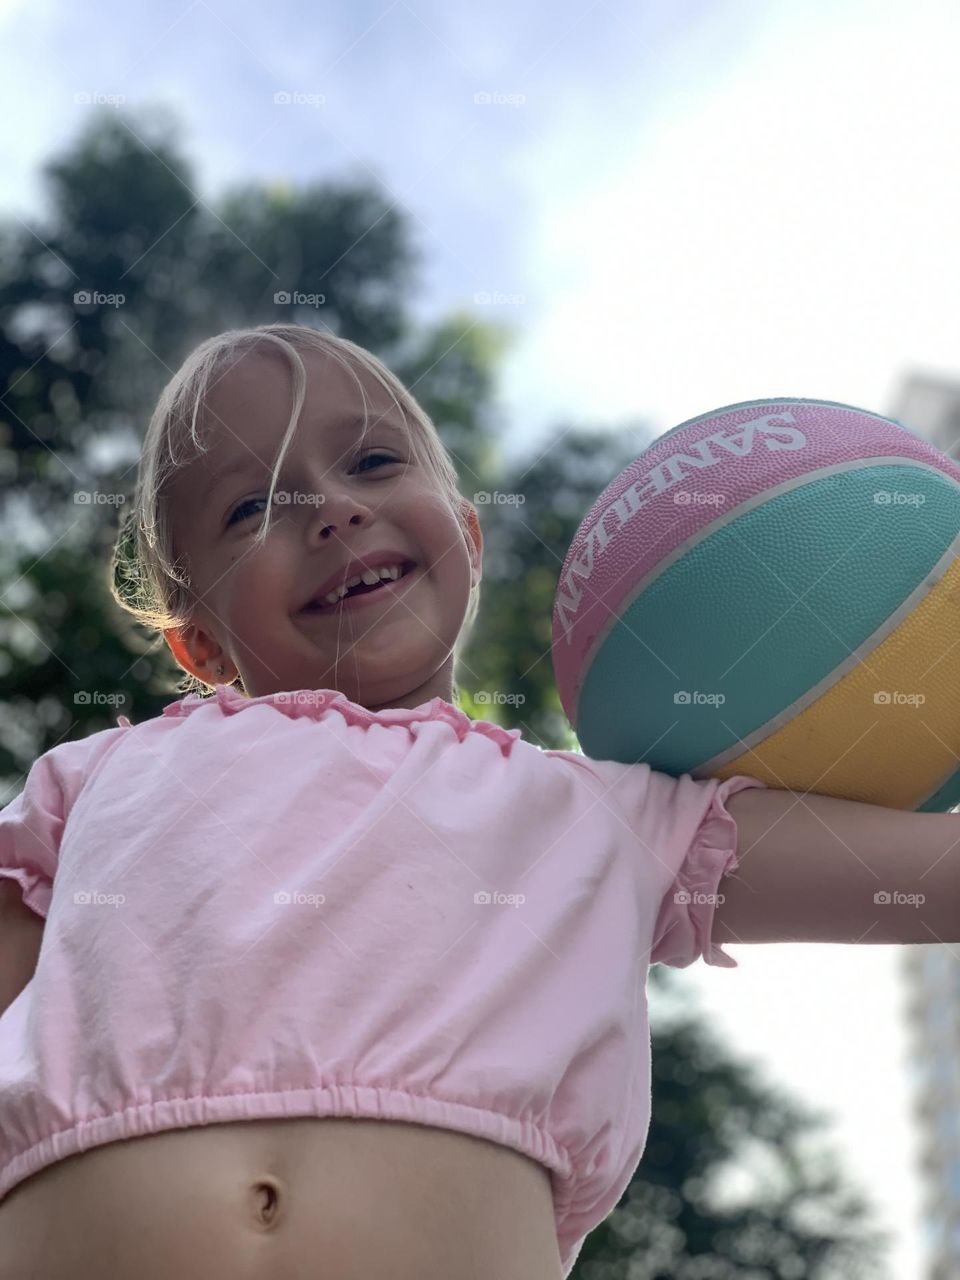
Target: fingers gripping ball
773 589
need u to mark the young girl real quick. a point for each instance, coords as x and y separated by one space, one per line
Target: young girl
335 981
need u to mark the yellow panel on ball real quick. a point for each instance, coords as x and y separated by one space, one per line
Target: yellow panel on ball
839 744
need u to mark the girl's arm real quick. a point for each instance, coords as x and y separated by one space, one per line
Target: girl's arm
21 932
817 869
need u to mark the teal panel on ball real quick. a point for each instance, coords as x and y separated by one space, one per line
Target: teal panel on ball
765 606
944 798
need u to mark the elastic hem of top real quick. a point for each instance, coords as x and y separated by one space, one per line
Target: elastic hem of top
344 1100
713 855
316 704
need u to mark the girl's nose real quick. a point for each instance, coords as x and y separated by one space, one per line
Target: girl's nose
334 517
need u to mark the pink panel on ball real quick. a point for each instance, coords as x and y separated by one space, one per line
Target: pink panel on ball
686 481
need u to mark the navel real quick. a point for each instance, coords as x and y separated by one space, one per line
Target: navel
267 1201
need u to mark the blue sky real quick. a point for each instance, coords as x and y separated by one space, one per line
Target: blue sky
499 193
688 204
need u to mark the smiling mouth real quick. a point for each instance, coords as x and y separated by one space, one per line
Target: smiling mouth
362 589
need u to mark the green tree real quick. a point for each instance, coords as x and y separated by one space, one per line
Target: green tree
715 1124
127 221
529 520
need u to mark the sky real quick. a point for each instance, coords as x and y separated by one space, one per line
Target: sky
675 206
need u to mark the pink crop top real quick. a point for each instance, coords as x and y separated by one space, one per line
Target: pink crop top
292 906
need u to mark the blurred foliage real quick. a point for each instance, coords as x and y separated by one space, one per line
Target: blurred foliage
735 1182
529 518
79 382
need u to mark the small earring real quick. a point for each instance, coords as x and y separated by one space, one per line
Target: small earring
220 669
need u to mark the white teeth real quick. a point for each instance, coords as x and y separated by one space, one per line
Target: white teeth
369 576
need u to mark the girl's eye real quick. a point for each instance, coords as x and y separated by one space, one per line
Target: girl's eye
243 505
376 453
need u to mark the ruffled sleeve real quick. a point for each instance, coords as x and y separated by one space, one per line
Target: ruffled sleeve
32 823
30 829
684 924
680 841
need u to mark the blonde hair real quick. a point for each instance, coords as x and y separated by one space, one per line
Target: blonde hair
145 580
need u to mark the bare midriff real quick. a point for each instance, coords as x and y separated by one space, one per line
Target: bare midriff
294 1199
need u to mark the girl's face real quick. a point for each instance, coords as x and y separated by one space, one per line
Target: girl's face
344 500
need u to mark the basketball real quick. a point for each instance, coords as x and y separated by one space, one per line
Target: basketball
772 589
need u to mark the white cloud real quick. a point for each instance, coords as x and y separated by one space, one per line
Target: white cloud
787 230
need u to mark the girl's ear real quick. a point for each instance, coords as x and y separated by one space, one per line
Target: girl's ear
195 652
475 532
